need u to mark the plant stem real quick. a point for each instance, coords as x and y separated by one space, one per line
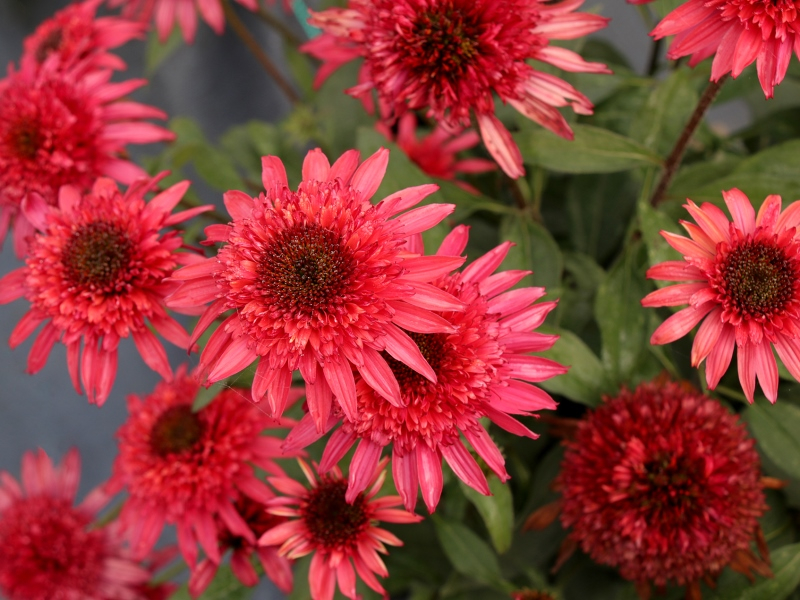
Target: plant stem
655 54
288 35
252 45
674 159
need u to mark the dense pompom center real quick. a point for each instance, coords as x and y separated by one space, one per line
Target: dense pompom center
45 547
96 254
306 268
757 279
25 138
441 43
670 483
331 521
49 44
177 430
432 347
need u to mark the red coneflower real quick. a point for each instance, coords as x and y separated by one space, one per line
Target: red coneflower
482 368
52 550
166 12
664 484
341 534
735 33
450 57
77 34
435 153
744 281
320 280
96 274
62 127
188 468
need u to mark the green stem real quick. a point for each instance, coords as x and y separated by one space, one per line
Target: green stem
674 159
244 34
288 35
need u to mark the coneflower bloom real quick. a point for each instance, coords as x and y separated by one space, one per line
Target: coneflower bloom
483 369
65 128
744 280
188 467
735 33
53 550
320 280
435 153
341 534
664 484
166 12
278 568
96 274
450 58
77 34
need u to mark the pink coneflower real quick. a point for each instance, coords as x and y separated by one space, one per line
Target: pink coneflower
65 128
320 280
278 568
482 369
52 550
450 58
96 274
736 33
167 12
664 484
435 153
342 534
188 468
745 280
76 34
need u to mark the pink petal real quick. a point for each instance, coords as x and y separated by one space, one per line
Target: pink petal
430 268
239 205
378 375
741 209
273 173
431 297
746 365
405 199
12 286
418 320
362 468
707 336
465 467
319 399
316 166
404 472
720 356
346 577
501 145
321 578
367 178
766 369
339 375
484 445
423 218
454 242
40 350
153 353
429 469
338 445
345 166
400 346
679 324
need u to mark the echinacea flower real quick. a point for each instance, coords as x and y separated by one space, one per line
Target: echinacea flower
320 280
341 534
188 467
450 57
65 127
483 369
735 33
166 12
77 34
435 153
664 484
744 280
53 550
96 274
259 521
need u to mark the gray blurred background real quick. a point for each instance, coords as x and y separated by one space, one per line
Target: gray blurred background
218 83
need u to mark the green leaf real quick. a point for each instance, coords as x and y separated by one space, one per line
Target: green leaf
662 118
534 250
777 429
594 150
225 586
786 571
216 169
623 321
496 510
773 171
652 223
156 53
586 381
468 553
